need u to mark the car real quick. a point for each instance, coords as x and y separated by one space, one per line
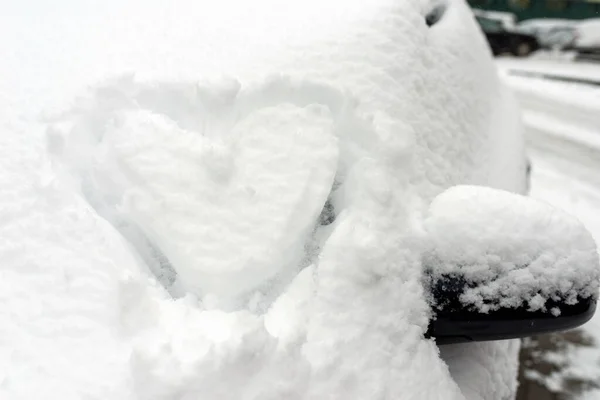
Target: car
553 34
587 44
269 200
504 40
561 38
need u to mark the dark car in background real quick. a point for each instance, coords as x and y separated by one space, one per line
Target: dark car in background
503 39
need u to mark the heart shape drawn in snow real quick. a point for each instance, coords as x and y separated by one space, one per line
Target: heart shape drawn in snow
233 210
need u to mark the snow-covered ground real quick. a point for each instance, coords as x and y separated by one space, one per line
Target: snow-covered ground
561 67
563 134
557 180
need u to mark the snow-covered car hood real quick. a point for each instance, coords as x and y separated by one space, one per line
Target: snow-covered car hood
211 136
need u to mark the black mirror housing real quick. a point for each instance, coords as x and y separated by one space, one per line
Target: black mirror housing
499 265
455 323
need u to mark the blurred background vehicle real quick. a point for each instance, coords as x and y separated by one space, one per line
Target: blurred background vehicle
504 38
541 9
552 34
558 25
587 44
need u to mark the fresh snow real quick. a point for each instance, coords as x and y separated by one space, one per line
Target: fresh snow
256 185
590 395
563 186
225 200
560 116
589 33
563 139
553 67
495 234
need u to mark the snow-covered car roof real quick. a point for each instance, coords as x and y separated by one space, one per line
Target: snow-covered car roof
589 33
508 19
548 23
163 169
551 32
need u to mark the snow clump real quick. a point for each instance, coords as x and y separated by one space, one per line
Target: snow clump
510 250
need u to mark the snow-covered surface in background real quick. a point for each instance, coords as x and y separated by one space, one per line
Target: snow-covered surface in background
564 187
106 290
560 68
564 111
545 23
590 395
564 147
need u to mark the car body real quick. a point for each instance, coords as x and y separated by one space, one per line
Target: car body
587 44
503 40
581 35
563 38
588 34
410 107
551 33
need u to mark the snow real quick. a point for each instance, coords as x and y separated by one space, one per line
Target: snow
497 245
563 146
546 23
60 285
589 33
559 68
590 395
197 194
567 112
551 33
468 363
107 196
566 188
575 96
507 18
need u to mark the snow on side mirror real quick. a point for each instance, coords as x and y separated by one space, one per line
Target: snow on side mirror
501 265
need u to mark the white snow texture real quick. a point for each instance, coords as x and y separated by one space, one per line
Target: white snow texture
241 217
515 251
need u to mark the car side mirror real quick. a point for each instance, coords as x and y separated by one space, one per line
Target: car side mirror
500 265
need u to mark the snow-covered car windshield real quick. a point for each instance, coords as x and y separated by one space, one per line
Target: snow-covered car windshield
245 200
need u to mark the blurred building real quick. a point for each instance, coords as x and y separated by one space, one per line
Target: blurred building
533 9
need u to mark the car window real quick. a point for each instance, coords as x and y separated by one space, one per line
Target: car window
489 25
